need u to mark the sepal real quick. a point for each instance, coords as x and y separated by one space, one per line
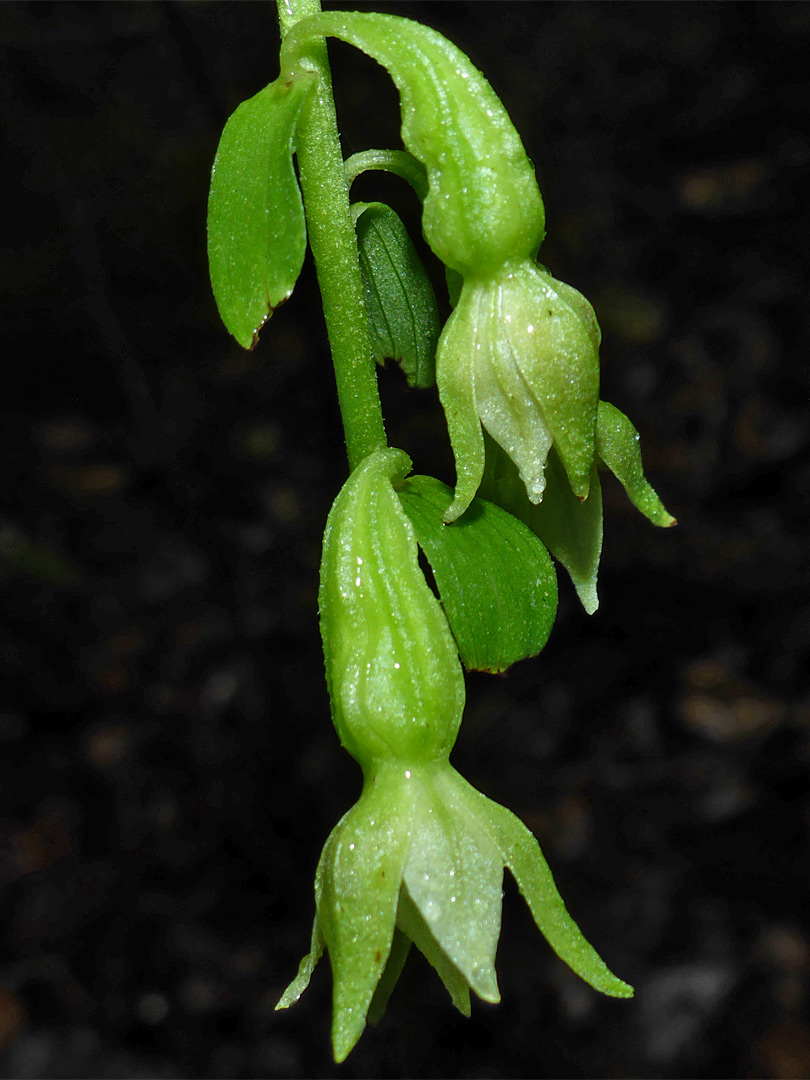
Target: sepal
618 447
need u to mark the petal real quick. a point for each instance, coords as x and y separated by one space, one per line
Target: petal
521 853
570 528
455 378
617 444
454 876
359 878
400 947
504 401
557 350
410 920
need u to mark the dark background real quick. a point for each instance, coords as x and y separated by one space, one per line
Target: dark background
169 772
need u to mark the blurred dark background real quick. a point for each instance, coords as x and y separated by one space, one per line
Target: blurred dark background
169 772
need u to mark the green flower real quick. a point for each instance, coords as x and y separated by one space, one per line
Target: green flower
519 357
419 859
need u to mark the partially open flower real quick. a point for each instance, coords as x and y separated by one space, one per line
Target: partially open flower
420 859
519 357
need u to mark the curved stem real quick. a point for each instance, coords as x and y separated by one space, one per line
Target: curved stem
334 247
398 162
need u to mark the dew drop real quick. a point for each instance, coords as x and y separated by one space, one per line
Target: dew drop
351 847
407 774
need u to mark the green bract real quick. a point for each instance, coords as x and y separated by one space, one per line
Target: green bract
401 304
256 230
496 581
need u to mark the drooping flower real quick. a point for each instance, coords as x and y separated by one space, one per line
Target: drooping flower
519 358
420 857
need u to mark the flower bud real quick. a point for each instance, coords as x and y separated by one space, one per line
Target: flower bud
392 667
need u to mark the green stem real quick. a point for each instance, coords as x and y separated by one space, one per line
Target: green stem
334 247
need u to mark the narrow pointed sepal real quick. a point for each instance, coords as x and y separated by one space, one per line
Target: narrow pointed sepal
305 969
571 529
359 877
454 377
617 445
521 853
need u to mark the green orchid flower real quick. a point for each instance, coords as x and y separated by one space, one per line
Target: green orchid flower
519 358
420 858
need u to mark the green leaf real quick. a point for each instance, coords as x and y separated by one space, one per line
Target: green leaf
496 580
256 227
401 304
617 444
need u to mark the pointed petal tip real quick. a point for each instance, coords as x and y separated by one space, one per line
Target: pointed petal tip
586 591
346 1033
486 988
